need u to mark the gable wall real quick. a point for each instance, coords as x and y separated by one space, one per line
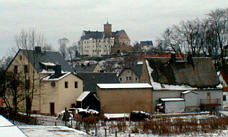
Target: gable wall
123 39
20 60
61 96
124 77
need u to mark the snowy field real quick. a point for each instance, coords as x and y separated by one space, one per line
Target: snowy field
48 129
51 131
61 131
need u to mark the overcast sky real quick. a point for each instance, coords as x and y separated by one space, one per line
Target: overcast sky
141 19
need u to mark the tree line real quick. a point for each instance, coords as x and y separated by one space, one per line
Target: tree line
199 37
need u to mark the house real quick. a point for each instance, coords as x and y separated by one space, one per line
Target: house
87 68
170 77
146 45
87 100
131 74
223 77
125 97
99 43
49 80
90 80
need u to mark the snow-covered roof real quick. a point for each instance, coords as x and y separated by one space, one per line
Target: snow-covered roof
171 99
167 75
185 92
48 63
83 95
7 129
116 115
48 78
159 86
125 85
188 91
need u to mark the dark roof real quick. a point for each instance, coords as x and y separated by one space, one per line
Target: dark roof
90 80
200 72
92 34
146 43
117 33
99 34
54 76
46 56
137 69
85 68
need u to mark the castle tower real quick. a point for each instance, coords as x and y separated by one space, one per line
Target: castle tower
108 28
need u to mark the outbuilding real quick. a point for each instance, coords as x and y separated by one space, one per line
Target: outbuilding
125 98
173 105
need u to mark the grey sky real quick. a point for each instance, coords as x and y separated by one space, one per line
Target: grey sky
142 19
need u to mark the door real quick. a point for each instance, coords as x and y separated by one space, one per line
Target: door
52 108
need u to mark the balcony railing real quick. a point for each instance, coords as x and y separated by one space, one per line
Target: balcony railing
210 102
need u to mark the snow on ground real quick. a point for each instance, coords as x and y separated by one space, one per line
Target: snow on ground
223 133
7 129
51 131
60 131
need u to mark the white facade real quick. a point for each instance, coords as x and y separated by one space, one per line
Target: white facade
95 47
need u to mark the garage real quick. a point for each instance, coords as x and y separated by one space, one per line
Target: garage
172 105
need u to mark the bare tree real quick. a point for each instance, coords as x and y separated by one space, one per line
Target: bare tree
198 37
28 40
218 20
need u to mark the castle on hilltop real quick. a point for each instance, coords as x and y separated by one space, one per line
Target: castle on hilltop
99 43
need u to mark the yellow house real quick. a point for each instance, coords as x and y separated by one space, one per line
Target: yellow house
50 84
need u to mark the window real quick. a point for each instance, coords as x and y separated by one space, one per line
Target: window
120 79
136 79
53 84
75 84
129 78
66 84
20 57
126 78
25 69
27 84
15 69
224 97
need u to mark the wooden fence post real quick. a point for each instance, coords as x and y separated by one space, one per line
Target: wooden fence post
105 132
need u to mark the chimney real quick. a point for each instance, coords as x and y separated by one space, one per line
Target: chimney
108 29
173 58
38 49
58 70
